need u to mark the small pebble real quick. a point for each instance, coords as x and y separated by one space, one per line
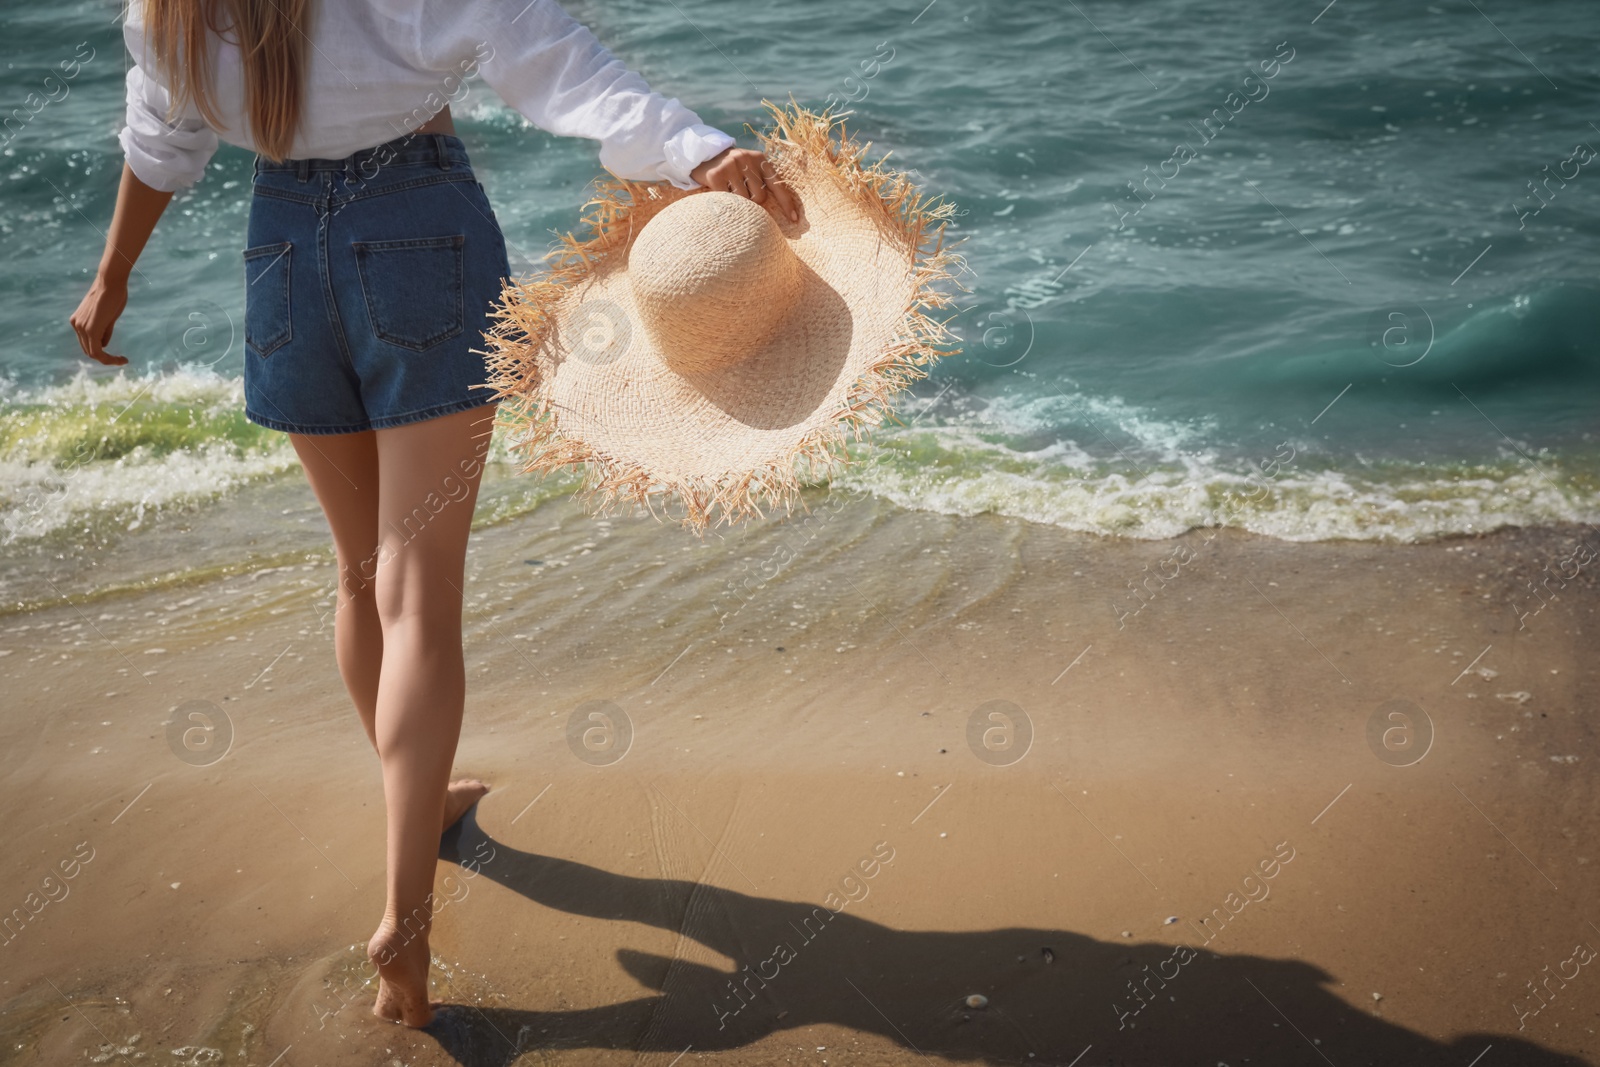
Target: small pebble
1377 997
977 1000
1126 933
1170 920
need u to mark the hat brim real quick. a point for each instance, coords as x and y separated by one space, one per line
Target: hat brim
583 384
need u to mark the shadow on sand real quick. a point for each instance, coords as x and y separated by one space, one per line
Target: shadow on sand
910 987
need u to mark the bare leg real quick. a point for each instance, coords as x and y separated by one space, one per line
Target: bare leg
428 476
343 471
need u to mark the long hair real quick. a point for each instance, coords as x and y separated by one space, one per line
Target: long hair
271 37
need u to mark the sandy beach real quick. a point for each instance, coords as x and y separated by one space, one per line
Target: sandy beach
794 795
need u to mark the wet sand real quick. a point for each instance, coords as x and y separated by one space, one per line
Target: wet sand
793 795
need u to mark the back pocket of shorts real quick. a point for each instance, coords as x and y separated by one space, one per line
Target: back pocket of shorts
412 289
267 324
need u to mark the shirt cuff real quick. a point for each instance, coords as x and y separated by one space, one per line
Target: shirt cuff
149 169
688 148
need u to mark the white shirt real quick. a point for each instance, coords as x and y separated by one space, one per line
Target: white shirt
378 69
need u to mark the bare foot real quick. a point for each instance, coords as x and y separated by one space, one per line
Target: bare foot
402 976
459 796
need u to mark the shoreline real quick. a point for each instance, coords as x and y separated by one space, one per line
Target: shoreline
275 522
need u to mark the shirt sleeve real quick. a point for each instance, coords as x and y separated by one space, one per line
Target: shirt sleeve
556 73
166 154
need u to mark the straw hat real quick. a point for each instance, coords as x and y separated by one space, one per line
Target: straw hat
696 351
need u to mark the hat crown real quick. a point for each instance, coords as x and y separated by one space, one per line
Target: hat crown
713 277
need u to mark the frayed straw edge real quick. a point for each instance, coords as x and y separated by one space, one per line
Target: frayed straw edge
617 210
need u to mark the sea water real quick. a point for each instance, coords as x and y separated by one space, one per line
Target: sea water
1313 270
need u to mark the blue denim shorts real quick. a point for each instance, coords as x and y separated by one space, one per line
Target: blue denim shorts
368 285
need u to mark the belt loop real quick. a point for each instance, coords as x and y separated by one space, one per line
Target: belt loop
303 169
438 146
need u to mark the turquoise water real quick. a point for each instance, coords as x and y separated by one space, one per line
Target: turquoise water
1356 298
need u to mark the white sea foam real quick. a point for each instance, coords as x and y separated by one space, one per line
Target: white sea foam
98 451
1160 480
114 452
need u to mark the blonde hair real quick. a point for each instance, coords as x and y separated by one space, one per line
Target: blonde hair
271 38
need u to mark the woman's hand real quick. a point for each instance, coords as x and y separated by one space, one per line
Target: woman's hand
97 314
138 208
747 173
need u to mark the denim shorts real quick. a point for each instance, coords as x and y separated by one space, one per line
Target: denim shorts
368 286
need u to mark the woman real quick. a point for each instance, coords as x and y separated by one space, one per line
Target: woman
371 264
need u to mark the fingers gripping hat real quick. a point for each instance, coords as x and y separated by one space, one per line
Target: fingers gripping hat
695 351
